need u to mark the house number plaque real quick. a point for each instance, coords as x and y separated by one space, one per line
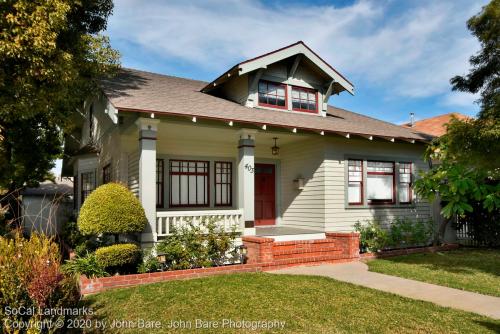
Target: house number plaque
249 168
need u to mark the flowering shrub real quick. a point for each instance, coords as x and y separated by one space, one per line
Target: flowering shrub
150 262
372 236
405 232
402 232
85 265
30 276
198 245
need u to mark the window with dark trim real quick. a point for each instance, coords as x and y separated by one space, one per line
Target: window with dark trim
304 99
160 194
223 183
106 174
87 184
189 184
404 188
380 182
272 94
355 182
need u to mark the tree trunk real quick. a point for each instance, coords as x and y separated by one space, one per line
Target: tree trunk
442 230
11 201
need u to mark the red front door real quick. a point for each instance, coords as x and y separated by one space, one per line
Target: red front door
265 199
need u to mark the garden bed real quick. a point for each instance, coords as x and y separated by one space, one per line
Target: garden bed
263 254
407 251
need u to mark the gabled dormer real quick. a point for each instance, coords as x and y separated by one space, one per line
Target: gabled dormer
293 78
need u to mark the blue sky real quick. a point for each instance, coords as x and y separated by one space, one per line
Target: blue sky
399 54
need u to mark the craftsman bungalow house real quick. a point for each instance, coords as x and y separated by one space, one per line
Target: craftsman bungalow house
258 147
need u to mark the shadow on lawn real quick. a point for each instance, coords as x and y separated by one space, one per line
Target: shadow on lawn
93 323
494 327
462 261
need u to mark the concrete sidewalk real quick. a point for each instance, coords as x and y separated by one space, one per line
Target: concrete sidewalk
357 273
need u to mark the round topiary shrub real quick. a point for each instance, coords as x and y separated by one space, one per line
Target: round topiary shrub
111 209
119 255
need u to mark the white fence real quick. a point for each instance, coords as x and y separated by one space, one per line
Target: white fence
166 220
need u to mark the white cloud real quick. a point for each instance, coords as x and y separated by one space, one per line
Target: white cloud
412 53
460 99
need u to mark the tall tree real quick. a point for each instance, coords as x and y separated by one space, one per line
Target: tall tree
51 55
476 142
467 176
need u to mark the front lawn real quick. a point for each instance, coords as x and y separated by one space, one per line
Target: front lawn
305 304
467 269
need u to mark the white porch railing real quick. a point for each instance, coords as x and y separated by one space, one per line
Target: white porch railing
228 219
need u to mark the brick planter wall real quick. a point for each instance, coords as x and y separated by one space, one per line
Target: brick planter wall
407 251
90 286
262 254
259 250
348 243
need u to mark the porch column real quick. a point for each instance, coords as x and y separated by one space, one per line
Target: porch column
147 174
246 148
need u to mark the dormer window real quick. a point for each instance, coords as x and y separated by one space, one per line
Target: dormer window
304 99
272 94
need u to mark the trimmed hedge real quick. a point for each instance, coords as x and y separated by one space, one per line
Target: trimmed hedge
111 209
118 255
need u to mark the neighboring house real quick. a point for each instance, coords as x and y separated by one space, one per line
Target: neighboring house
45 208
434 126
258 147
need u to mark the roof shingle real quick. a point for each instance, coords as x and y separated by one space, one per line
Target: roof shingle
134 90
435 126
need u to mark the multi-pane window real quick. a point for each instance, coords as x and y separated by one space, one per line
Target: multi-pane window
304 99
272 94
355 182
223 183
106 174
160 167
404 182
189 183
87 184
380 182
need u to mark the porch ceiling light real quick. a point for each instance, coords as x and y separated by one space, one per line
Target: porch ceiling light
275 150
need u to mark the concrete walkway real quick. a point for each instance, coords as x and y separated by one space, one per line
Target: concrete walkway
357 273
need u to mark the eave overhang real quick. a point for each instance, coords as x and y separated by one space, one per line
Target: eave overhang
294 129
267 59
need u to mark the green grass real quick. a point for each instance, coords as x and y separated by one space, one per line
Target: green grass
306 304
466 269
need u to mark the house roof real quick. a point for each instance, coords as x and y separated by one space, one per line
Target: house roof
139 91
299 48
47 188
435 126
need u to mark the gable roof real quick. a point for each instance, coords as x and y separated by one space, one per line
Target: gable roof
48 188
298 48
139 91
435 126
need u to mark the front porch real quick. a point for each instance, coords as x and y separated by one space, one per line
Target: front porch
232 220
228 174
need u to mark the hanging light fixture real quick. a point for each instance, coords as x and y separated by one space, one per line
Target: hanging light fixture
275 149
